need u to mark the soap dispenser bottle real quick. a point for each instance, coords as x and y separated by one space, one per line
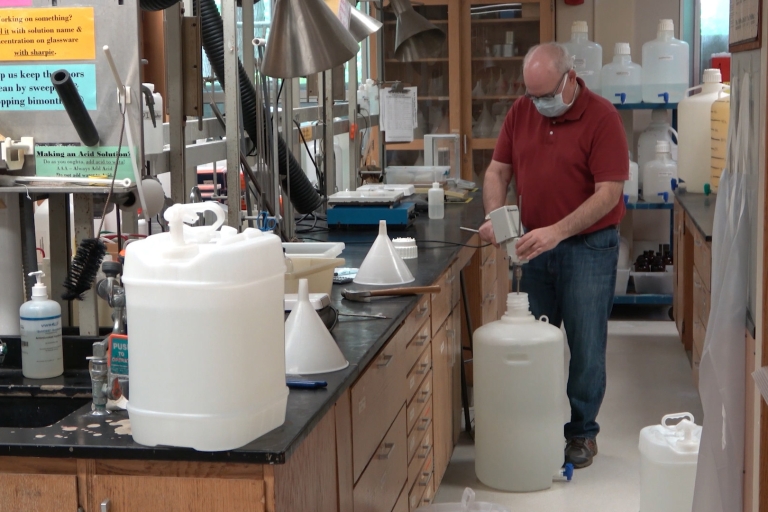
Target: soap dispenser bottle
41 347
436 201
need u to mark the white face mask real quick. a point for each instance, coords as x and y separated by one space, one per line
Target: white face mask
554 106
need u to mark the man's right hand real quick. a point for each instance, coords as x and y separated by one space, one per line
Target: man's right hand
486 233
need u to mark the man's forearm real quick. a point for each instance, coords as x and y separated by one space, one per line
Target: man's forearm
494 190
591 211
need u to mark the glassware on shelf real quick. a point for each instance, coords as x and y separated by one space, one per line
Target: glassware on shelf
501 84
497 126
478 91
485 123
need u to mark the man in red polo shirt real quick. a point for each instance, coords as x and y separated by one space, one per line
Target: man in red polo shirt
566 149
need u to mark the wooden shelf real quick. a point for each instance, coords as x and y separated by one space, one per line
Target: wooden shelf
498 59
395 61
484 143
416 145
498 98
497 21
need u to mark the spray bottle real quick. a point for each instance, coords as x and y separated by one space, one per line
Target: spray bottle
41 347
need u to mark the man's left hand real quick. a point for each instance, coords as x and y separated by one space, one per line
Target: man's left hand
537 242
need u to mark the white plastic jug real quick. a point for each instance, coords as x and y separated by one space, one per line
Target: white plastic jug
621 81
721 113
206 334
587 55
668 458
659 129
665 66
631 186
519 394
658 175
694 126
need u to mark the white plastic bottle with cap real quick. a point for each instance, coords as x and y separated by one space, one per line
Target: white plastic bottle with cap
436 200
621 81
658 175
153 131
665 66
41 347
659 129
631 185
694 148
587 55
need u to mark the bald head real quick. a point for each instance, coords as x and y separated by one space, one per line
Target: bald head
544 67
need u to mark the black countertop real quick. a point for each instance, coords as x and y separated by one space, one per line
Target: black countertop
82 436
701 209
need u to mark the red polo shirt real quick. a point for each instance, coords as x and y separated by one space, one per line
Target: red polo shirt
557 161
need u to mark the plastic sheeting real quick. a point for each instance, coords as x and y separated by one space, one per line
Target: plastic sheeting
719 478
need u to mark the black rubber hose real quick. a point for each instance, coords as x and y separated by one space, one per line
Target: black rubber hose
303 195
73 104
157 5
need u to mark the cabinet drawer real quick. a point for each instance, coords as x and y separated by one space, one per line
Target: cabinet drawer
416 346
416 376
424 450
699 334
700 298
487 252
415 320
702 258
422 484
377 396
429 494
423 425
441 302
381 482
402 502
416 407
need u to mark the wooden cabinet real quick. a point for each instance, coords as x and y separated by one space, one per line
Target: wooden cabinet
470 85
683 280
38 493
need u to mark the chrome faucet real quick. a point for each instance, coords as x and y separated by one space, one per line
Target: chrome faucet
112 291
3 351
99 370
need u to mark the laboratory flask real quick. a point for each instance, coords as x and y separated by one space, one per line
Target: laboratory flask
519 394
206 349
665 66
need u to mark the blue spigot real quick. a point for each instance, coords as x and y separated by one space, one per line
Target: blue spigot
664 95
622 96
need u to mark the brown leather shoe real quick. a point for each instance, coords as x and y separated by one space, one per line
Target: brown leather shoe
580 451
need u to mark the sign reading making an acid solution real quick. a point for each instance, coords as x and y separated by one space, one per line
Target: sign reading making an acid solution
82 161
53 34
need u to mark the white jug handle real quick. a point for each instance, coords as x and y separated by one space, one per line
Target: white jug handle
685 94
186 213
681 415
673 132
467 499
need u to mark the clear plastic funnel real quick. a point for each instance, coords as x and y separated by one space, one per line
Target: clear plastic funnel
383 265
309 347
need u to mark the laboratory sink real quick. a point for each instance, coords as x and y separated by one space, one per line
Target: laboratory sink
36 412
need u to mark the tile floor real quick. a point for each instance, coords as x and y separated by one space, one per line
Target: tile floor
649 375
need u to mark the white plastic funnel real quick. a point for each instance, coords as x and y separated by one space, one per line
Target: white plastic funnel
309 347
382 264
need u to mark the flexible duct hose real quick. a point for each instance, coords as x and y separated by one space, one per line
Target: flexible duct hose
157 5
303 195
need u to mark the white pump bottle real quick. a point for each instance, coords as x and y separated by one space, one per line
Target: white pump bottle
41 346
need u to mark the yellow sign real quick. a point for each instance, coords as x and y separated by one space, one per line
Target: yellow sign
60 33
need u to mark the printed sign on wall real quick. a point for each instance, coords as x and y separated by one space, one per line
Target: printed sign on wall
82 161
29 87
58 33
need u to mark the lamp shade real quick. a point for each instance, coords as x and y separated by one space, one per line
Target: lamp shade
306 38
361 25
415 37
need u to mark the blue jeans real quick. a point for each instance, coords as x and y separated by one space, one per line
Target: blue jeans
574 284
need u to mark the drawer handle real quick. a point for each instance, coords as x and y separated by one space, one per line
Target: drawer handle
422 340
424 367
426 422
424 396
386 359
491 262
388 447
423 310
426 478
427 449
